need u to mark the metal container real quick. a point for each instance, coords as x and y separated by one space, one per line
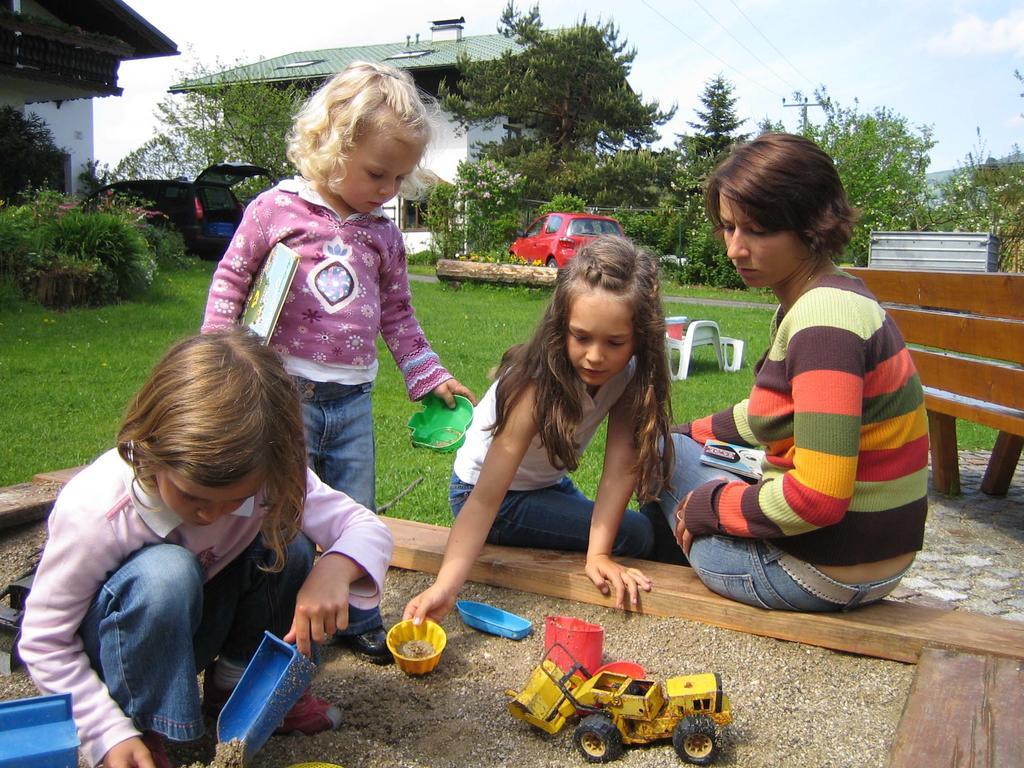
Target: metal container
935 251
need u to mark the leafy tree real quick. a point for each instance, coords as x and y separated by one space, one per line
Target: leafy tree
31 159
882 161
986 195
566 93
217 121
716 129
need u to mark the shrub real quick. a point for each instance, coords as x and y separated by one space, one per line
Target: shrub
63 256
563 202
124 262
489 196
443 220
167 245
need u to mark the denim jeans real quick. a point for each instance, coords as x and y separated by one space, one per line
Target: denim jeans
154 625
338 419
745 570
556 517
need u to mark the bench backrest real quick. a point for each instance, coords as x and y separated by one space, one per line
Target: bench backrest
965 330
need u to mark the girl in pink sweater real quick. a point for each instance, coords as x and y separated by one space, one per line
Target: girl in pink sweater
357 142
174 552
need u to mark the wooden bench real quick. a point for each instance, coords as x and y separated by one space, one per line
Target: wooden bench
966 335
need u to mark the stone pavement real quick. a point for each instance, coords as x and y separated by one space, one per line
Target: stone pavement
973 557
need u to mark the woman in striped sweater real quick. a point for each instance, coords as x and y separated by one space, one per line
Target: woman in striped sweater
839 513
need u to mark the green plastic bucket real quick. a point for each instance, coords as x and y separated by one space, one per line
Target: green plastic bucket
439 427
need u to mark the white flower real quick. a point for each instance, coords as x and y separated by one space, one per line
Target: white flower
224 307
238 264
324 337
366 311
355 342
320 357
282 200
239 241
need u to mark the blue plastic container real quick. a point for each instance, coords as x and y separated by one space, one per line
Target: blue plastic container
487 618
38 732
274 680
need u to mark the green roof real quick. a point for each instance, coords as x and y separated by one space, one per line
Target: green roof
306 65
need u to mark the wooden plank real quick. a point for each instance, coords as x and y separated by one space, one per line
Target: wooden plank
514 274
1003 419
963 711
889 630
994 294
58 475
995 338
26 502
991 382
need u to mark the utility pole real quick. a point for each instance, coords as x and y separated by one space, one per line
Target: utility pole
803 109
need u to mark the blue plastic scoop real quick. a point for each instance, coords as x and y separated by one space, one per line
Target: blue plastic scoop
39 732
272 682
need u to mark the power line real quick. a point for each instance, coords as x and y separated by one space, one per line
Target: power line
708 51
743 45
800 74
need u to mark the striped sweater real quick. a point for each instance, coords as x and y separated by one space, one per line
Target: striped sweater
837 404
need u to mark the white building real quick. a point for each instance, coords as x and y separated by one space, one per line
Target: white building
430 62
56 56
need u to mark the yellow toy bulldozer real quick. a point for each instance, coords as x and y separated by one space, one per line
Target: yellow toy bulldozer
617 709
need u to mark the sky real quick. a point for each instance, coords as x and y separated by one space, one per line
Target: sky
945 64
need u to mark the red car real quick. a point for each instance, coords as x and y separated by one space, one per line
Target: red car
554 238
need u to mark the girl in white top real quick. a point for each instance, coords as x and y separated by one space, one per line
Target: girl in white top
598 352
183 544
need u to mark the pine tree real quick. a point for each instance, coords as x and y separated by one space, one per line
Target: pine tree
715 130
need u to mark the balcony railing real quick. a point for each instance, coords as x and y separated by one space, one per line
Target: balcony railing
65 56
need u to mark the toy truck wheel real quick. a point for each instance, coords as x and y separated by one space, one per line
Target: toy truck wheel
696 740
597 739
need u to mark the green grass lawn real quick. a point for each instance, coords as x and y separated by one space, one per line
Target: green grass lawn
67 376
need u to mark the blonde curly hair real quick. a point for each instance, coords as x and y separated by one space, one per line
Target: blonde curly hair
362 98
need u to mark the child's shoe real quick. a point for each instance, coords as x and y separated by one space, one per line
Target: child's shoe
309 715
155 744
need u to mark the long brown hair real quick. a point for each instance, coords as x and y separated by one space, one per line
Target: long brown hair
216 408
784 182
617 266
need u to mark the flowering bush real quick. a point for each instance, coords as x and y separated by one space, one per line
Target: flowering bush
479 214
489 196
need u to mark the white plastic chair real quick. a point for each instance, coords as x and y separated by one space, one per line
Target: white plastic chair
728 351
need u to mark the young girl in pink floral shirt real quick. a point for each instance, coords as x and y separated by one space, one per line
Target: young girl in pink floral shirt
356 143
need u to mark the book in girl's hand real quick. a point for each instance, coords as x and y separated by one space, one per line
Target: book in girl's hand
269 291
738 459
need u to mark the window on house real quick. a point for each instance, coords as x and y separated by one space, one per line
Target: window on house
414 215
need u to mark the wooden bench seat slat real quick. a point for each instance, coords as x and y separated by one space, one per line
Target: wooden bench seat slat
996 293
995 338
997 384
978 411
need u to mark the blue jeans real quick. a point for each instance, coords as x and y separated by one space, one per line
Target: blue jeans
745 570
339 444
154 624
556 517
